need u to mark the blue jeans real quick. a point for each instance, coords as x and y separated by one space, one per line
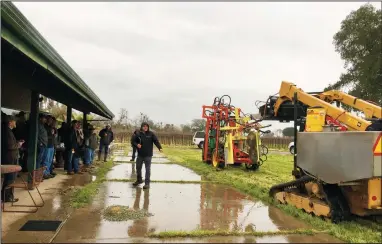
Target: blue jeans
103 147
48 159
40 156
73 162
92 153
89 156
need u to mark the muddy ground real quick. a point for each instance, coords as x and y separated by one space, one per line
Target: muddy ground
175 207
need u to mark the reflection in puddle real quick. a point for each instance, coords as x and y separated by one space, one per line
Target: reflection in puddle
158 172
176 207
181 207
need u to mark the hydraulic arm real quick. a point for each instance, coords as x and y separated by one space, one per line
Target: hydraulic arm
286 94
370 109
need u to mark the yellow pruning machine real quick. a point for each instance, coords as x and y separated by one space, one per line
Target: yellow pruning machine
337 157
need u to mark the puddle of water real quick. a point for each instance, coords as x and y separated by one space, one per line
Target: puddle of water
158 172
181 207
184 207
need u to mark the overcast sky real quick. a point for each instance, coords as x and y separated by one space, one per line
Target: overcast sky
168 59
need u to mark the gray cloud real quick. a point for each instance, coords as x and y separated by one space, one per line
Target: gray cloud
168 59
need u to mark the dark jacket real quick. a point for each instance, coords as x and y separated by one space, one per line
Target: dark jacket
42 135
62 132
147 140
71 140
9 146
93 141
50 136
106 136
134 137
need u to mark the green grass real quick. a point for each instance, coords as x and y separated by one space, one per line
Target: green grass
124 213
84 196
209 233
257 184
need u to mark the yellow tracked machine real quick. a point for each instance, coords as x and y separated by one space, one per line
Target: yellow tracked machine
337 157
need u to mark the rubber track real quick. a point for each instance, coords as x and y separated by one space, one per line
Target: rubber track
291 184
334 197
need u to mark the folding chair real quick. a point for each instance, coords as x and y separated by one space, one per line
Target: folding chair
37 178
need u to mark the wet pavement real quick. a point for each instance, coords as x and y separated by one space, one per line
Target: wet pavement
181 207
170 172
175 207
56 208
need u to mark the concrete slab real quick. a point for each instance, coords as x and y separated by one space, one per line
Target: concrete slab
181 207
170 172
55 208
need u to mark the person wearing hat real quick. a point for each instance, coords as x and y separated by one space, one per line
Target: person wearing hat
107 137
42 140
9 156
144 141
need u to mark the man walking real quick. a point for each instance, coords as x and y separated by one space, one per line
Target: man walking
107 137
144 142
135 134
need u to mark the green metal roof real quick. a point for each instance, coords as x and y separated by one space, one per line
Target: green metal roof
20 33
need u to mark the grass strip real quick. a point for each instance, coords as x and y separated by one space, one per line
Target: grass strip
210 233
124 213
84 196
163 181
277 169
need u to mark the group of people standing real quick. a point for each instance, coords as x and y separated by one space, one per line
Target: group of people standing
76 141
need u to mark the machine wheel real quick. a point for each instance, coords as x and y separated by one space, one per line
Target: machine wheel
201 145
206 161
215 160
291 149
253 167
264 149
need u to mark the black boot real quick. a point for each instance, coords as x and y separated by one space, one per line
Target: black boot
138 182
105 157
99 156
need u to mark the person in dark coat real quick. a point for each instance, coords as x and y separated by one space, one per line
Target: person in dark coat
9 156
135 133
42 141
107 137
49 149
72 149
144 142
